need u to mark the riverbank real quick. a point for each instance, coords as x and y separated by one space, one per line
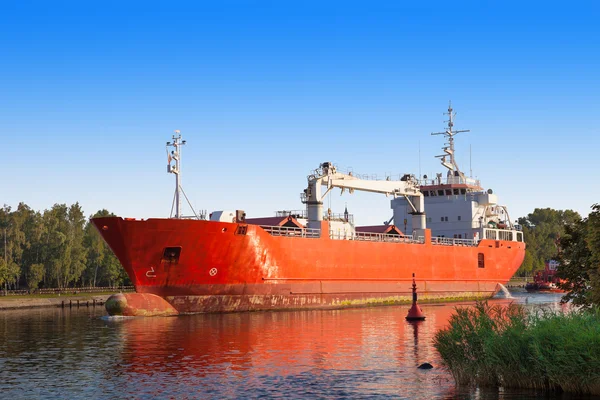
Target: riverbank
518 282
51 300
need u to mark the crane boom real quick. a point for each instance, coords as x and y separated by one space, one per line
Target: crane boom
395 188
327 175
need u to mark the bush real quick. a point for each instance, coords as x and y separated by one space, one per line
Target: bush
504 346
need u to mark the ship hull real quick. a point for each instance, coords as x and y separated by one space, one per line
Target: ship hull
225 267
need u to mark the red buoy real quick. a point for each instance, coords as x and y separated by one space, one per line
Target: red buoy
415 313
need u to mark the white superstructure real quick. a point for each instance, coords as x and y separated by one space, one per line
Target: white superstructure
456 206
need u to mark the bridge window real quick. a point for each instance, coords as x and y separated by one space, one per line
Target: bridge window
455 191
448 192
440 192
463 191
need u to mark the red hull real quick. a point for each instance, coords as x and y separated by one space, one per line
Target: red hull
542 288
222 268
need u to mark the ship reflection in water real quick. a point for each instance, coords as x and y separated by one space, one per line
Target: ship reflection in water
314 354
351 353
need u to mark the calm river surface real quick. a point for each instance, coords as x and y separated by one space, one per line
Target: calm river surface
353 353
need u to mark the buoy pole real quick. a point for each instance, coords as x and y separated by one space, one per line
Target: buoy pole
415 313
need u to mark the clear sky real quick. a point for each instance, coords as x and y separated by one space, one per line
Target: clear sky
265 91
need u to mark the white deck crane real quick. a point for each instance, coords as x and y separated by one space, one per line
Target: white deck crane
327 175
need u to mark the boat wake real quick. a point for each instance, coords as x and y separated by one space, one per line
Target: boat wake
503 292
114 317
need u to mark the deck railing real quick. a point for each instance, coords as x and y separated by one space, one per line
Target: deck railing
502 234
295 232
453 242
496 234
373 237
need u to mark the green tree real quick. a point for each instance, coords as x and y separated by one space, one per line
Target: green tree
32 228
541 230
35 274
579 260
102 267
12 246
76 250
56 248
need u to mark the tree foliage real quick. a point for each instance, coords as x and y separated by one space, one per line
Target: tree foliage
541 230
55 248
579 260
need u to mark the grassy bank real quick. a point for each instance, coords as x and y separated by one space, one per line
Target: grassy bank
505 346
54 300
54 296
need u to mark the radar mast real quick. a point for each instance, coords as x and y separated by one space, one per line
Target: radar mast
449 149
176 169
177 143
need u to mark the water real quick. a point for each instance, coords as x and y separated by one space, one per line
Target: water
356 353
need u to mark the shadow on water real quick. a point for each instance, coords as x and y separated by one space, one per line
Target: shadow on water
370 352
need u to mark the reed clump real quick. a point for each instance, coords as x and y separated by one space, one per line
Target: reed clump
507 346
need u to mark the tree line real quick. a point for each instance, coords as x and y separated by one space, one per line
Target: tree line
542 230
579 260
571 240
60 248
56 248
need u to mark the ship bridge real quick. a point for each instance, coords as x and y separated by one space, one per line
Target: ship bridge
457 205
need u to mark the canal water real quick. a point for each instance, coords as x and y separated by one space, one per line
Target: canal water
353 353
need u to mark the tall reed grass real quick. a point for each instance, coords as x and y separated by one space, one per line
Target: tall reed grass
507 346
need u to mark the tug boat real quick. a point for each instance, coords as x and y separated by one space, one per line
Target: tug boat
546 280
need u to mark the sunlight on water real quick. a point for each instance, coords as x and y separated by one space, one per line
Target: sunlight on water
368 352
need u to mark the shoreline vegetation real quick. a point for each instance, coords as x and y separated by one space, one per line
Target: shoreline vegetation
542 350
56 248
505 346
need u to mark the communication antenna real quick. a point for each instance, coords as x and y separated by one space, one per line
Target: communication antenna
470 162
419 159
176 169
449 149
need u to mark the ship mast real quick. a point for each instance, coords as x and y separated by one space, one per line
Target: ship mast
449 150
176 169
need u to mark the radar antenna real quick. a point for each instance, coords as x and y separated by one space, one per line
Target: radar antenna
449 149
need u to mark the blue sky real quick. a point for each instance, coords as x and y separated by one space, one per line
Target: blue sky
265 91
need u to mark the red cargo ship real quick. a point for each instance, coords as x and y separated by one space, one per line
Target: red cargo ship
312 259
